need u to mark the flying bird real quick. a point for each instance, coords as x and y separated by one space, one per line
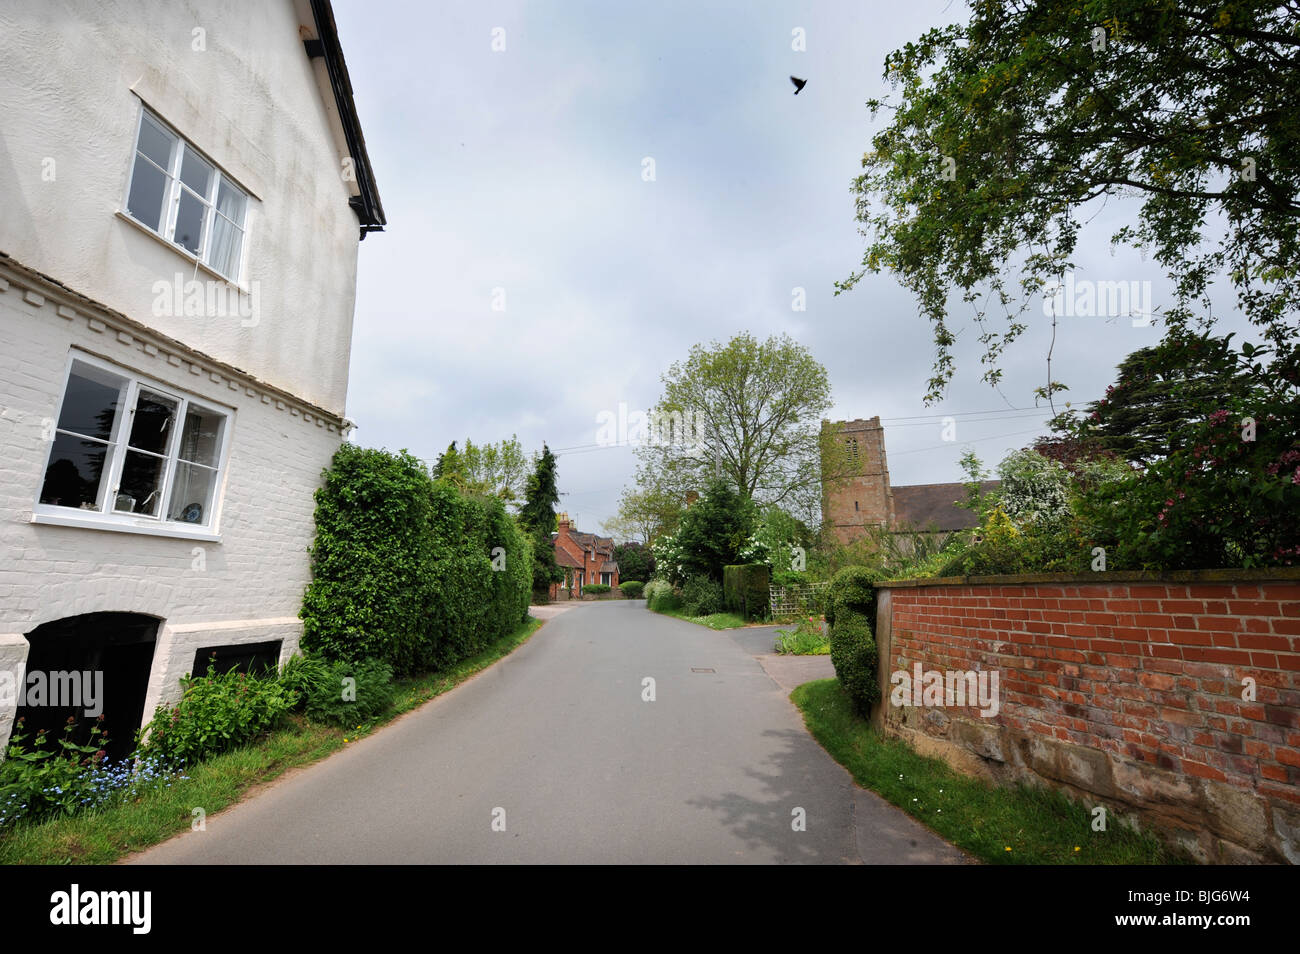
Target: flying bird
798 84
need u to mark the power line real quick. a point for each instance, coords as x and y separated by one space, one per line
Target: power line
921 420
979 440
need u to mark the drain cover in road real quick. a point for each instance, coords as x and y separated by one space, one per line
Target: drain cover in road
703 670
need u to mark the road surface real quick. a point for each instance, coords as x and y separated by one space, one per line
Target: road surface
555 755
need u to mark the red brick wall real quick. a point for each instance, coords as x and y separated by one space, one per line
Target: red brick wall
1146 672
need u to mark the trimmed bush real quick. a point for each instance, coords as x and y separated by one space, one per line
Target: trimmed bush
746 589
409 570
632 589
850 613
701 596
597 589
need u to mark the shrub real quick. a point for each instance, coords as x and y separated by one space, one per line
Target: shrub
746 589
46 781
338 702
216 713
661 597
1042 547
853 647
781 542
632 589
408 570
305 675
806 639
597 589
1218 500
1034 488
701 596
635 561
712 534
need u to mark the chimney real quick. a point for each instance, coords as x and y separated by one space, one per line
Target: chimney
564 522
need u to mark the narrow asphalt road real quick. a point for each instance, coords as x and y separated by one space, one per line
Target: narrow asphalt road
557 744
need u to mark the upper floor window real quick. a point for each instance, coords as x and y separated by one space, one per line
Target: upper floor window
132 453
187 200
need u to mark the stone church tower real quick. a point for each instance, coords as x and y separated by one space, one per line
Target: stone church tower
861 496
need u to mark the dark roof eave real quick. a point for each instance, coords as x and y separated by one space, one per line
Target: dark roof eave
369 210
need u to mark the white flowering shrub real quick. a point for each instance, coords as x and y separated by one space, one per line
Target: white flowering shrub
1034 489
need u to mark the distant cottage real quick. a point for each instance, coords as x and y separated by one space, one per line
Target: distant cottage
585 558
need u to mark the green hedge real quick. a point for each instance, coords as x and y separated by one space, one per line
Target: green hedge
850 612
596 589
745 589
632 589
406 569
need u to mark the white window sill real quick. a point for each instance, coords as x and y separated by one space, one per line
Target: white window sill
182 252
154 529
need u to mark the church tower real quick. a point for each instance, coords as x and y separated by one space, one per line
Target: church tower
860 496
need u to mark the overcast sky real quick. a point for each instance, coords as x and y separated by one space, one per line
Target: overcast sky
522 170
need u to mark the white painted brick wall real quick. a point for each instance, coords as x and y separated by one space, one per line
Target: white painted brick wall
252 585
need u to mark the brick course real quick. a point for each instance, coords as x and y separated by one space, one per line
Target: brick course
1150 674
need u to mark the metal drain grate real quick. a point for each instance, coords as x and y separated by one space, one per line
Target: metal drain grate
703 670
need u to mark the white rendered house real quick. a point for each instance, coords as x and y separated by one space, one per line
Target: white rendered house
181 201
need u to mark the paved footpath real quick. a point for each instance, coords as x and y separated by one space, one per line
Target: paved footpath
557 743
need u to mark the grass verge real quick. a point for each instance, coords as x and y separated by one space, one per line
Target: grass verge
102 837
713 621
1002 825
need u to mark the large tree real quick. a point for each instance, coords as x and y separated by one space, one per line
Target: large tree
715 530
1012 128
486 470
644 514
635 562
749 411
1160 393
538 518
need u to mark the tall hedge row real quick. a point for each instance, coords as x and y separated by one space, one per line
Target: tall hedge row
404 568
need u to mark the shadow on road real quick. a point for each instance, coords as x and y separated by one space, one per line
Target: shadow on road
795 777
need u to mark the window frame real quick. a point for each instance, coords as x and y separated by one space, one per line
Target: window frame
175 189
105 517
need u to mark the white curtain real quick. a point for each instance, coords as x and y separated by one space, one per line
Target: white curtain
227 232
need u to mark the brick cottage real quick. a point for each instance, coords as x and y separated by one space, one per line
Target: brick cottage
585 558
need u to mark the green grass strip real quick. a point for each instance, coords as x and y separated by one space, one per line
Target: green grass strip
999 824
712 621
104 836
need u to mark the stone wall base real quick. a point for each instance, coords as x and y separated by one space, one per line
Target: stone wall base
1213 822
